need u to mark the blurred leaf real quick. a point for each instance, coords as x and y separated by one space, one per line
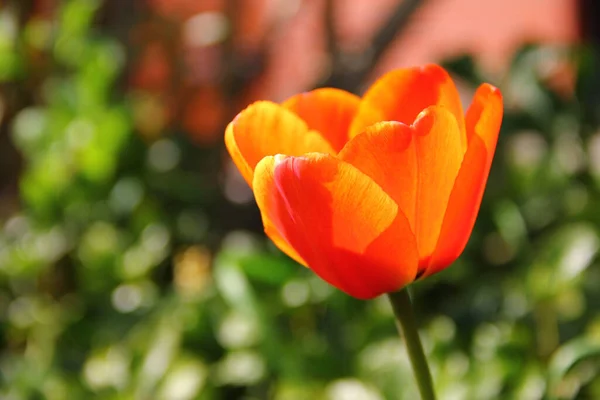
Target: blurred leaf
562 259
268 268
562 363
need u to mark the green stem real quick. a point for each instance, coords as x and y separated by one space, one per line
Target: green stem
405 320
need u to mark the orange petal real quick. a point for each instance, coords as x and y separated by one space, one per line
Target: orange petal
416 166
349 231
273 233
439 156
328 111
264 129
402 94
386 152
484 117
483 120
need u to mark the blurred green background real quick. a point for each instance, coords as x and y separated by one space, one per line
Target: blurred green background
132 259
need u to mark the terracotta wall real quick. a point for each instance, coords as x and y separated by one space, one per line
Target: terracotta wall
491 29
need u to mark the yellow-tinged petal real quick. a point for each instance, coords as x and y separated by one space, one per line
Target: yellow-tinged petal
264 129
402 94
439 156
416 166
483 121
273 233
328 111
386 152
484 117
339 221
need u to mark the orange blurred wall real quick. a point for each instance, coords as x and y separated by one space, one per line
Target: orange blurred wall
490 29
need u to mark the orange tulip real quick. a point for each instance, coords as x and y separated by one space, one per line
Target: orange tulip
372 192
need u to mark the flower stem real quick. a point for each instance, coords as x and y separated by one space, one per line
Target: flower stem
405 321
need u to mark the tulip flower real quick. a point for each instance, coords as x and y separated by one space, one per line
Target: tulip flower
370 193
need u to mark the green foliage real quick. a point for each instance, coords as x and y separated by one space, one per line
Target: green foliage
124 275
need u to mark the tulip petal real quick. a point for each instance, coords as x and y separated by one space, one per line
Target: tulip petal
483 120
402 94
349 231
386 152
416 166
328 111
273 233
264 129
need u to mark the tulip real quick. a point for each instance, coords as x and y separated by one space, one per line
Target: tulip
370 193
